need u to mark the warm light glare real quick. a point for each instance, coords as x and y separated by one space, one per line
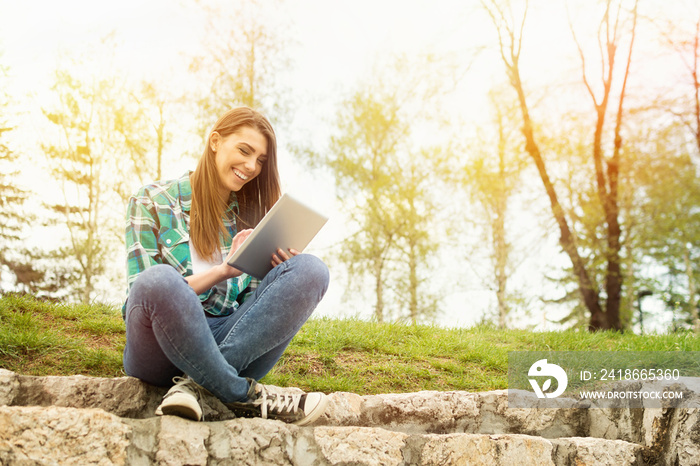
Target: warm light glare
333 46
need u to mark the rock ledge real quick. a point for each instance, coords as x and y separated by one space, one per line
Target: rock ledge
86 420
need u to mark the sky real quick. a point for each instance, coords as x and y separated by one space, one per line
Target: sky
333 46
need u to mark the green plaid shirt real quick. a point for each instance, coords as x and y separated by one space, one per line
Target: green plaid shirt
157 232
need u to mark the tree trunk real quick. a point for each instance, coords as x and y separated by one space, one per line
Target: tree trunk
608 199
500 246
413 282
692 299
510 41
613 277
379 290
696 84
566 239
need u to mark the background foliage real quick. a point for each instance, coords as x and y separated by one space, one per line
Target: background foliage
435 156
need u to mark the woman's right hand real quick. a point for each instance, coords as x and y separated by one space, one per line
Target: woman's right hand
240 237
205 280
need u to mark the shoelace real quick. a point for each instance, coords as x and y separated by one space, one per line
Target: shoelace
183 384
277 403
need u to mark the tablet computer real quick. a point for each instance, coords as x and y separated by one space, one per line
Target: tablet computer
289 224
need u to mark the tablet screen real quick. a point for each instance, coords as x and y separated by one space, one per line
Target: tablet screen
290 224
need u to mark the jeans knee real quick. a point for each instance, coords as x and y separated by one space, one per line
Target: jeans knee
160 277
314 270
161 271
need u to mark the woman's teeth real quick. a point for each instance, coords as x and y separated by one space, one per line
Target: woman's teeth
240 175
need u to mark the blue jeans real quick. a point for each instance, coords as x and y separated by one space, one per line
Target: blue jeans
168 333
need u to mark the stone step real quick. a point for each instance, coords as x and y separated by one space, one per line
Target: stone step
421 412
407 428
58 435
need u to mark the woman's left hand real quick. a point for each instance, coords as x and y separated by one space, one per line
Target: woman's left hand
282 256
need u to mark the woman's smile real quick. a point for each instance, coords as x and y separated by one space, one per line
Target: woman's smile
240 175
240 157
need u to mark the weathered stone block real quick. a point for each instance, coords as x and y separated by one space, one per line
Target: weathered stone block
87 420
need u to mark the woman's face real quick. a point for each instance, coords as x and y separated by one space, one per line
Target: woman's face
239 157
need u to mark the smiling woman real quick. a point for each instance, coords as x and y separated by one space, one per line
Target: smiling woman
217 328
239 157
242 140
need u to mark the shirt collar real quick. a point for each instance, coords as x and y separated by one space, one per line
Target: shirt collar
232 208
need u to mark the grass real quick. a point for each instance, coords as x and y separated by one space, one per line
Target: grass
43 338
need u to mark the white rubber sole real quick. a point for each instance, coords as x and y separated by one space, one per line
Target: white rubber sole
317 411
182 405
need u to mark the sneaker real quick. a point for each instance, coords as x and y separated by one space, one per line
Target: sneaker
182 400
293 408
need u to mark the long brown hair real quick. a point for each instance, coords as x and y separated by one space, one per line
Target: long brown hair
254 199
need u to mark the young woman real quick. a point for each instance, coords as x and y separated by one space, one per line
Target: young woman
190 317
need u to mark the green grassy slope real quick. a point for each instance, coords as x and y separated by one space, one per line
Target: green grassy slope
42 338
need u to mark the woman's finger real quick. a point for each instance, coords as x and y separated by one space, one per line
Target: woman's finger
282 255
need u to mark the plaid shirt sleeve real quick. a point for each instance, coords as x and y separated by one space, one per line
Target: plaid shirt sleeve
141 237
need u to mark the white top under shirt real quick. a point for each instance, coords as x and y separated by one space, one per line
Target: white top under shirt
200 265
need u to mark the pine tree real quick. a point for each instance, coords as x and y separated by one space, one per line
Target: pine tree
12 198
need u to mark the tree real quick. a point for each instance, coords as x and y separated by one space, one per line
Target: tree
685 107
684 41
143 121
569 154
243 65
362 160
667 214
12 199
606 169
84 160
492 177
23 263
386 182
417 206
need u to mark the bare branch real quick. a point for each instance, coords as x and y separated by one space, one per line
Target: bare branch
522 27
567 239
618 123
600 44
617 22
696 84
501 45
671 42
583 60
